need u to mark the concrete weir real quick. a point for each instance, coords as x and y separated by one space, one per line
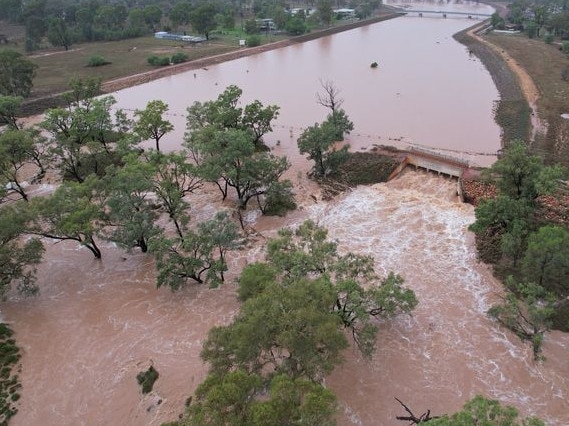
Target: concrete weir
433 162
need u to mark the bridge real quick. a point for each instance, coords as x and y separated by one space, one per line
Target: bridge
446 13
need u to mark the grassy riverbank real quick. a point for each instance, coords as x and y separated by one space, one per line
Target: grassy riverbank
546 64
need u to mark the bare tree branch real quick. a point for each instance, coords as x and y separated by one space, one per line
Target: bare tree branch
425 417
330 98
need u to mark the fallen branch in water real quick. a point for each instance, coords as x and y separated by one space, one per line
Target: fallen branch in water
425 417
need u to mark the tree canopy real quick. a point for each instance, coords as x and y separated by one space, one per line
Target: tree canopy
508 229
289 333
226 142
150 123
16 74
203 19
18 260
486 412
318 142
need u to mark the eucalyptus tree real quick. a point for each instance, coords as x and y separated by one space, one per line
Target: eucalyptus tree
16 148
510 217
229 159
225 140
224 113
150 124
58 33
9 111
85 137
289 333
82 91
477 411
16 74
528 313
174 178
202 18
71 213
130 212
233 399
546 260
330 98
319 142
180 14
199 255
18 257
521 175
305 294
360 294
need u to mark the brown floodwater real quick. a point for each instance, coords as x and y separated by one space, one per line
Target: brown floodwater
97 324
427 89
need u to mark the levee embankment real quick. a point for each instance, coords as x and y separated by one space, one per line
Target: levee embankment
512 111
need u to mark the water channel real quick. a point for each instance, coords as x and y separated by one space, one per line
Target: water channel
97 324
427 89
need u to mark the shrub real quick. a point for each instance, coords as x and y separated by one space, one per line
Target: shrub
253 41
158 61
279 199
178 58
147 378
548 38
565 46
97 61
251 27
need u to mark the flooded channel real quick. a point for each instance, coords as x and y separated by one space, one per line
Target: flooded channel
427 89
97 324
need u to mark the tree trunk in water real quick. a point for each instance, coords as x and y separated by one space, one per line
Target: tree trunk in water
92 246
142 244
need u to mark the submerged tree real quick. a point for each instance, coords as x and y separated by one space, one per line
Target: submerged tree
231 399
360 295
198 256
529 316
225 113
478 411
225 140
69 214
16 151
318 142
267 366
18 258
330 99
130 212
88 137
150 123
174 179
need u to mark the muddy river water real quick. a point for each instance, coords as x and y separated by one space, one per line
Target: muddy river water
97 324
